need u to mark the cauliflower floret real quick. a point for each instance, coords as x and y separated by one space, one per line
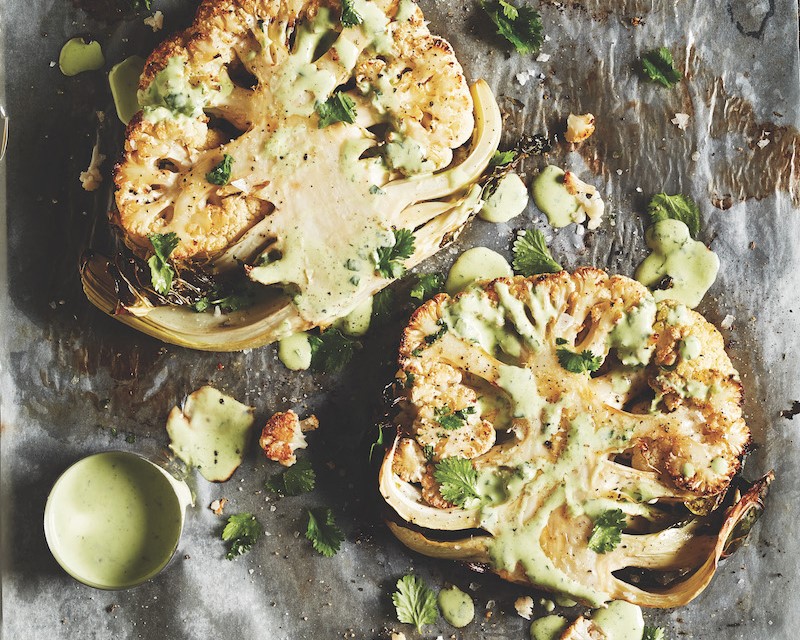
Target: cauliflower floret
91 178
580 127
283 435
588 197
524 607
409 461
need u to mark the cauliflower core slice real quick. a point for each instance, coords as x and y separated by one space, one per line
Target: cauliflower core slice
598 400
312 200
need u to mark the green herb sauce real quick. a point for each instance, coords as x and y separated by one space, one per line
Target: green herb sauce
507 201
456 606
124 82
475 265
78 56
552 198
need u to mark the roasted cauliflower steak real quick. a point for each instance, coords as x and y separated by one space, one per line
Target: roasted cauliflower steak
335 127
534 411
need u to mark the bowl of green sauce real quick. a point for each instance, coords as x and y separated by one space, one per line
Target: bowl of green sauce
113 520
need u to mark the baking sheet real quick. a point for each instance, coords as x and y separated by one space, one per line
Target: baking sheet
75 382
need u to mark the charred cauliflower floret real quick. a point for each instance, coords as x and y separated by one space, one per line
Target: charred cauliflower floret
284 434
291 143
583 434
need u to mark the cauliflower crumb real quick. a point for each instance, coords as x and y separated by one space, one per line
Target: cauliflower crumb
681 120
218 506
523 76
727 322
399 636
91 178
524 606
543 57
283 435
579 127
589 200
156 21
695 156
762 143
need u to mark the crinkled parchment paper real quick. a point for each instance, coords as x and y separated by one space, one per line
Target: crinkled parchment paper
76 382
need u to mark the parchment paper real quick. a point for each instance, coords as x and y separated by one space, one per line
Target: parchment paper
75 382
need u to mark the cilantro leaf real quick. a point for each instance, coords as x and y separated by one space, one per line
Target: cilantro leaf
161 272
502 158
521 26
338 108
239 298
677 207
458 480
297 479
659 67
383 305
653 633
428 285
389 260
331 350
449 419
242 531
607 531
221 174
415 602
578 362
350 17
325 536
531 255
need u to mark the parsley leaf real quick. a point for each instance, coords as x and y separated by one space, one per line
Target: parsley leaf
659 67
428 285
677 207
338 108
297 479
325 536
331 350
415 602
389 260
242 531
458 480
531 255
449 419
521 26
578 362
653 633
607 531
350 17
221 174
160 272
502 158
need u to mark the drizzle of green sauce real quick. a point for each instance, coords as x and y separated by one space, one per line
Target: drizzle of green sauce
552 198
690 348
689 265
719 465
78 56
124 82
356 323
548 628
475 265
406 155
456 606
620 620
294 351
507 201
630 336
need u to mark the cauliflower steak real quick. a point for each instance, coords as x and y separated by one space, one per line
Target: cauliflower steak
572 434
291 144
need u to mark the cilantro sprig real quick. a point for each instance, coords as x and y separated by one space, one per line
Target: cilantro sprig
458 480
242 531
578 362
653 633
161 273
221 174
521 26
415 602
449 419
531 255
331 350
677 207
325 536
350 17
659 67
607 531
383 305
297 479
427 286
338 108
389 260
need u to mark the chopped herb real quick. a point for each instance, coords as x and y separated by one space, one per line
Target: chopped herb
226 303
607 531
338 108
378 442
458 480
297 479
350 17
383 305
375 190
531 255
560 341
521 26
242 531
417 352
659 67
221 174
428 285
325 536
410 377
677 207
502 158
161 273
653 633
141 4
435 336
450 420
578 362
130 438
389 260
428 451
415 602
331 350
